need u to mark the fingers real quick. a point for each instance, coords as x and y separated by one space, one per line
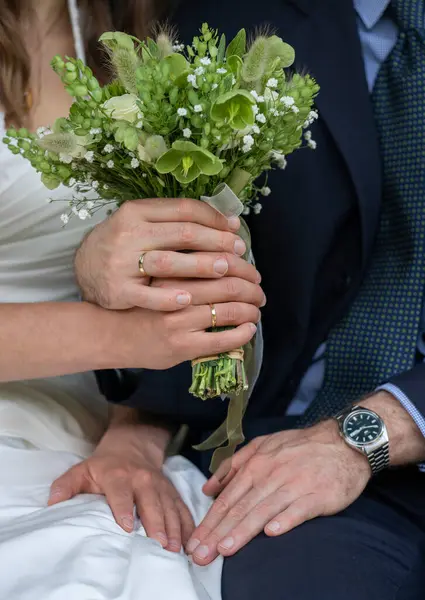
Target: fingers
186 520
198 264
155 298
301 510
119 495
172 522
206 344
151 511
160 210
189 236
228 313
68 485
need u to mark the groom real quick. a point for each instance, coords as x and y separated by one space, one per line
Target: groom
340 245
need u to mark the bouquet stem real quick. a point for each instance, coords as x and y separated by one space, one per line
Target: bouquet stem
224 373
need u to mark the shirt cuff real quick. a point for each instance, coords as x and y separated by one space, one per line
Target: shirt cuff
408 405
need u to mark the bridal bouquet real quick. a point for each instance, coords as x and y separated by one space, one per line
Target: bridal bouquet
202 121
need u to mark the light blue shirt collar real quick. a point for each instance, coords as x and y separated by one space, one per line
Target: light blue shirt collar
370 11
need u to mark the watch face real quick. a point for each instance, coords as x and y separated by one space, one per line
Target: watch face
363 427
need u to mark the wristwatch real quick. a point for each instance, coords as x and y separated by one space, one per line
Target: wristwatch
365 431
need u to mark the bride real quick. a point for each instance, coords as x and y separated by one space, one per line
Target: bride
51 414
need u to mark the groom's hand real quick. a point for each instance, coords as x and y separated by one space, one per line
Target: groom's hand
126 468
274 484
106 264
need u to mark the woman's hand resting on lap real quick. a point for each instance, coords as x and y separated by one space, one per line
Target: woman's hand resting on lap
126 468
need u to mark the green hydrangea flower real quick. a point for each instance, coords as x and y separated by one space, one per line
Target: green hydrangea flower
235 108
186 161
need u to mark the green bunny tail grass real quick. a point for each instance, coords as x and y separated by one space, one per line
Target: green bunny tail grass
65 143
125 63
255 63
165 44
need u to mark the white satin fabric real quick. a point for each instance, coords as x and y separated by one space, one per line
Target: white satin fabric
73 551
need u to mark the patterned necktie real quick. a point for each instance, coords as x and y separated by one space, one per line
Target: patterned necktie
377 338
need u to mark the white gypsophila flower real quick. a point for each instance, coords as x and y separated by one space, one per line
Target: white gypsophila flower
255 109
144 175
191 78
257 208
214 86
271 95
90 204
110 164
295 109
312 144
105 186
246 148
108 148
178 47
255 129
260 118
182 112
65 158
222 71
199 71
233 80
307 135
89 156
272 82
197 108
265 191
139 124
95 130
187 132
83 214
72 181
254 94
65 219
95 185
246 211
140 115
248 140
274 112
134 163
205 61
287 101
75 210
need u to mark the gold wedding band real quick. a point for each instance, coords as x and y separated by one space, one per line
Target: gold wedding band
213 316
141 267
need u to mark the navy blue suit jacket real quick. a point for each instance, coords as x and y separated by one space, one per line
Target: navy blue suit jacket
314 236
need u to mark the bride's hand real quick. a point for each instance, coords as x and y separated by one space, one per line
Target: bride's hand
106 264
139 338
126 468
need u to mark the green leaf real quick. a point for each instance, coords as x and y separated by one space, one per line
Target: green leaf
50 181
235 64
168 162
237 46
221 49
177 64
112 38
206 165
277 48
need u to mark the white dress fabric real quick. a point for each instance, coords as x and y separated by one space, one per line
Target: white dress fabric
75 550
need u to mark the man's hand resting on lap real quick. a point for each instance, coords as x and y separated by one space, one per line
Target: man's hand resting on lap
279 481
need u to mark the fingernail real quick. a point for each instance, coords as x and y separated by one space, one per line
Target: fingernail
221 266
263 302
234 223
273 526
227 543
174 544
202 552
183 299
127 522
239 247
253 327
192 545
259 278
161 538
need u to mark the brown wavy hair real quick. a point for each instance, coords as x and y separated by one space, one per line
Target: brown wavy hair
133 16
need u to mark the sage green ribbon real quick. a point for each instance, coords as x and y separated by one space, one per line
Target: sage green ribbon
228 204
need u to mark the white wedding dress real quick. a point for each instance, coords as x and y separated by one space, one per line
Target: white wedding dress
74 550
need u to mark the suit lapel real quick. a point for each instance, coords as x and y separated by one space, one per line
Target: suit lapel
324 34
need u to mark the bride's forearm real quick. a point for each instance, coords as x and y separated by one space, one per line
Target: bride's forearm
47 339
